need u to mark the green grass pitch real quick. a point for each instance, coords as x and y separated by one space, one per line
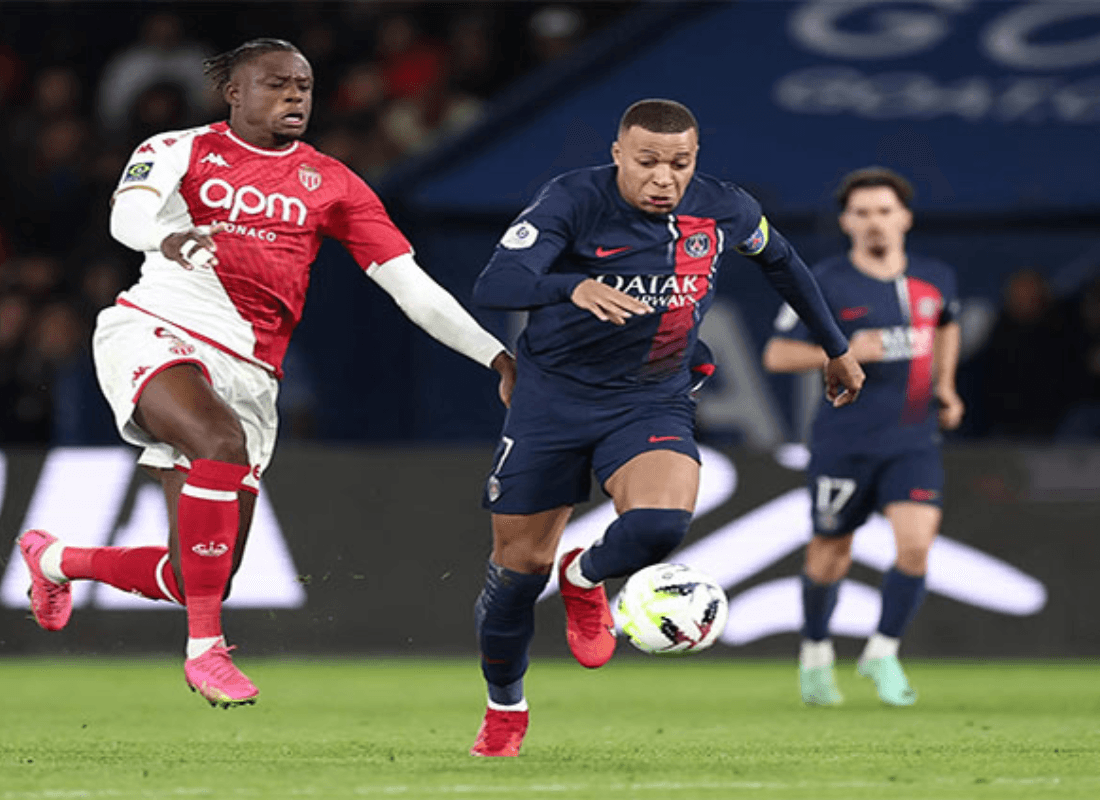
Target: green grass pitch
638 728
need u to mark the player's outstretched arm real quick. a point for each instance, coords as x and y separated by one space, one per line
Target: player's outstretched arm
793 355
436 311
843 375
788 273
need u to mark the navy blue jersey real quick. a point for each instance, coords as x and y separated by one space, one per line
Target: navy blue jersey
580 227
894 412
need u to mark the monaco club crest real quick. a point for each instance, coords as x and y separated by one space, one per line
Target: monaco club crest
310 177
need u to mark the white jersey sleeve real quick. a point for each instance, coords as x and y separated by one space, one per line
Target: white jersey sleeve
146 206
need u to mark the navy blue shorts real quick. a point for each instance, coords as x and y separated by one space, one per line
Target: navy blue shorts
845 489
551 445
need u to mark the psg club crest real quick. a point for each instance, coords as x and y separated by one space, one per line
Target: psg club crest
310 177
927 307
697 245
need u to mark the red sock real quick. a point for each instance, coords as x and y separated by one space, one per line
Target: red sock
145 570
208 521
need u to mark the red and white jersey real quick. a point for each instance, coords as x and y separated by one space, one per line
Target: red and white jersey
278 205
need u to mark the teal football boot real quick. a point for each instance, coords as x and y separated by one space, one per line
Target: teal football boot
819 687
890 681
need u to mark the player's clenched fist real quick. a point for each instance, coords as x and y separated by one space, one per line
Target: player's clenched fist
843 379
193 248
607 304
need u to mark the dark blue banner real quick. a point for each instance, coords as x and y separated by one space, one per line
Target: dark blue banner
986 105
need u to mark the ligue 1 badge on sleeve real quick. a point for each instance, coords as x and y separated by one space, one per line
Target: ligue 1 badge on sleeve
492 488
309 177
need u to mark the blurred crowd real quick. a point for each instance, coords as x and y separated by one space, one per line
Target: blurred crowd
1037 377
81 84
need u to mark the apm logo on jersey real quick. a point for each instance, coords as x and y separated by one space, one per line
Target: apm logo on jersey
660 291
218 193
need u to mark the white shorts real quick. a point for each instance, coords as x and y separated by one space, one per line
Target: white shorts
130 347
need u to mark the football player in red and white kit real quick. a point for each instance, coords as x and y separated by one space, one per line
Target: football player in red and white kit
230 217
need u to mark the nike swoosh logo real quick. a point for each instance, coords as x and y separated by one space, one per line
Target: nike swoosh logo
603 252
655 439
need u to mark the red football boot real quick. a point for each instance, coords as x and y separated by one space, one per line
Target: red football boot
590 628
501 733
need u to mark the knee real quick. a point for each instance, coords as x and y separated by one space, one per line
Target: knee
913 558
660 529
224 442
828 560
524 558
506 592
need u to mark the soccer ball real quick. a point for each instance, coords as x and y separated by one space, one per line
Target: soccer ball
672 609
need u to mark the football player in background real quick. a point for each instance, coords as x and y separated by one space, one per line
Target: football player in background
899 310
616 265
230 217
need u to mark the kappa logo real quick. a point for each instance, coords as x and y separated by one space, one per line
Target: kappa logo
211 550
744 547
215 159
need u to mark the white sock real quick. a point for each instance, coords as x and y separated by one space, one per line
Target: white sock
879 646
196 647
574 575
520 706
50 563
814 655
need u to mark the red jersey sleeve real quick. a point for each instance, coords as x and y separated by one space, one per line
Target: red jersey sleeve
360 222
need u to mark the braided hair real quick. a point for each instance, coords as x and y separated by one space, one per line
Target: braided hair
219 68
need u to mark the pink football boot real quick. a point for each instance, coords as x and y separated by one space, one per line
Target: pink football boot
51 602
214 676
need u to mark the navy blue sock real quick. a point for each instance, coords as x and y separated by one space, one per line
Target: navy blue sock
638 538
901 598
504 616
818 602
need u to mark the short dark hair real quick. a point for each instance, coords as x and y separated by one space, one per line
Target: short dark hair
868 177
219 68
659 116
